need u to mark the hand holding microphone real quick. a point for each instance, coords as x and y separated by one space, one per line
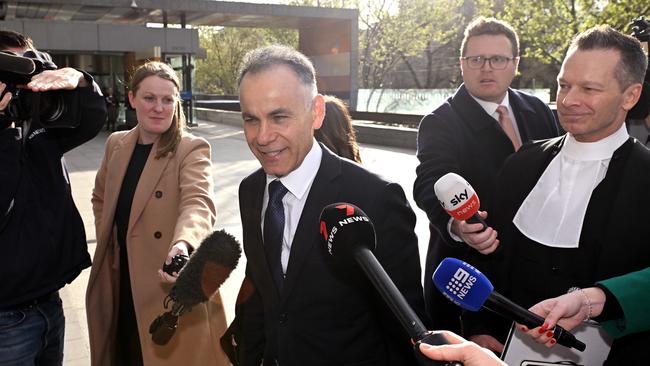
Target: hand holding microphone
468 288
349 235
470 353
207 269
569 310
458 198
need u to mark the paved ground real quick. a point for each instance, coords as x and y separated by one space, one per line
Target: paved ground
232 161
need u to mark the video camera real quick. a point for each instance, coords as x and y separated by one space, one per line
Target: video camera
641 31
52 109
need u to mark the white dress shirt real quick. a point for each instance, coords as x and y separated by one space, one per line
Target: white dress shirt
491 109
553 212
298 184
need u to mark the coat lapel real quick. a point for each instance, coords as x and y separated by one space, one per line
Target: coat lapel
321 194
118 162
149 178
118 157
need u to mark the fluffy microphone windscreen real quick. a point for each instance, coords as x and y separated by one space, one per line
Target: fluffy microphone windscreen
208 268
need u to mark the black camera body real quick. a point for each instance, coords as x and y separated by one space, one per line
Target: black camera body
52 109
177 263
641 31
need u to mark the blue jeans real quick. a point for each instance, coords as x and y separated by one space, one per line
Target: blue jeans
33 335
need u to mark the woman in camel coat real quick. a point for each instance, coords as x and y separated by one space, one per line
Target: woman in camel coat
152 200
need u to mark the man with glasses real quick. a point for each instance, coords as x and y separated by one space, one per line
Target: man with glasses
471 134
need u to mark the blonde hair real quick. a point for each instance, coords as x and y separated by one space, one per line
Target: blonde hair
169 139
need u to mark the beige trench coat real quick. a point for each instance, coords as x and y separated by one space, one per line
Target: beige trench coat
173 201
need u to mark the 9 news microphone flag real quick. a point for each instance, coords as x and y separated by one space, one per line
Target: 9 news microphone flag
468 288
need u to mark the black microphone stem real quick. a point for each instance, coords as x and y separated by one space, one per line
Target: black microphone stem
387 289
495 302
400 307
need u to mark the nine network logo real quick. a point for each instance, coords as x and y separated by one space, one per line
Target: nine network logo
460 284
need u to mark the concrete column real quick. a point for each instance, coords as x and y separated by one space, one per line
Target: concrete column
332 45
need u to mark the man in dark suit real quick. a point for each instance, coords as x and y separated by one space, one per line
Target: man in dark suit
574 211
296 306
465 136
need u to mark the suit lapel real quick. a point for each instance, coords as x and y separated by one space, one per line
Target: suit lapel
321 194
524 114
251 210
469 110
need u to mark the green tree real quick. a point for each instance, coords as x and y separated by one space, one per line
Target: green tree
546 27
441 25
226 47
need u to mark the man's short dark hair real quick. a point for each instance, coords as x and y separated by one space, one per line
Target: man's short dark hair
633 61
490 26
263 58
12 39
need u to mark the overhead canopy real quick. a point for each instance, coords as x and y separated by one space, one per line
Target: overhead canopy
191 12
328 36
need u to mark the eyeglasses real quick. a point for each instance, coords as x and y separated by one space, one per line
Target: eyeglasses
496 62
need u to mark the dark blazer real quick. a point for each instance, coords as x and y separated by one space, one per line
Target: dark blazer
460 137
613 241
326 314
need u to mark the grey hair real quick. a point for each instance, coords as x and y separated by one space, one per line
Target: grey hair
264 58
633 61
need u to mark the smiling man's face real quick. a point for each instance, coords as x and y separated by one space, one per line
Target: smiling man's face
280 114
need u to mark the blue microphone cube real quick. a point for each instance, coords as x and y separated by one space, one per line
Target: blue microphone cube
462 283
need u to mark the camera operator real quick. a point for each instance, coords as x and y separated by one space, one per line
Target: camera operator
42 238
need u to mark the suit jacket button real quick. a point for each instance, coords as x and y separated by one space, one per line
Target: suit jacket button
157 235
283 318
158 194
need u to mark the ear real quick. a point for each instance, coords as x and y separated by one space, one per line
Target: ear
462 65
318 111
631 95
131 99
516 62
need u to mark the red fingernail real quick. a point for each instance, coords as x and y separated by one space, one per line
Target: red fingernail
549 334
541 330
552 341
545 327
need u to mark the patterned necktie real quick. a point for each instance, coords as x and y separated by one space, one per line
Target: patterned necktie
274 231
507 126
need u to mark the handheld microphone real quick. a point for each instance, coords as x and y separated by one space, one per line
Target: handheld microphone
458 198
207 269
468 288
349 235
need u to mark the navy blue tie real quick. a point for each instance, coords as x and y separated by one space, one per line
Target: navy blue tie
274 231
